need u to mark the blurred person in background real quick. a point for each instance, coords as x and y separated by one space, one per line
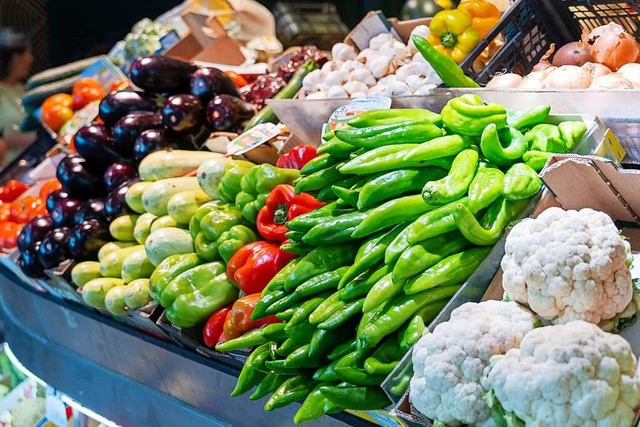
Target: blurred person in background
15 62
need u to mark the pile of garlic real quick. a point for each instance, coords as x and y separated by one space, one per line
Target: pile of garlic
387 67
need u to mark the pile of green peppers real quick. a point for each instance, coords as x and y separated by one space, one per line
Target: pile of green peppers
415 201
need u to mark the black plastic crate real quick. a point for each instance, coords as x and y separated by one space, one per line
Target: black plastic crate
298 24
529 28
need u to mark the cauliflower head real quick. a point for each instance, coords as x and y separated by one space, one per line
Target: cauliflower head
568 265
567 375
449 363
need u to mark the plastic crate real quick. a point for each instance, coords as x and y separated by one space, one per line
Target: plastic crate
529 28
298 24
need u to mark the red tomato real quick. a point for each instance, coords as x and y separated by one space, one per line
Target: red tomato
85 82
27 208
12 190
5 212
86 95
58 99
56 115
9 234
49 187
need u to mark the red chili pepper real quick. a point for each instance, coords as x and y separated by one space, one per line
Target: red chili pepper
237 78
282 205
255 264
297 157
239 321
212 331
12 190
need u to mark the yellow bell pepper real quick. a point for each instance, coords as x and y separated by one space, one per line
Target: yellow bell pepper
452 34
485 15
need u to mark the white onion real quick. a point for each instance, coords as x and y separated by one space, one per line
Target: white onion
533 81
504 81
596 70
631 72
568 77
610 81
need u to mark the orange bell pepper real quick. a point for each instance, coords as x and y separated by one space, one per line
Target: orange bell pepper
485 15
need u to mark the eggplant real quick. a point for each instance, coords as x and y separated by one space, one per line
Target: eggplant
95 144
115 204
63 214
87 238
183 114
29 262
91 209
118 104
156 139
127 129
209 82
34 232
228 114
77 179
53 248
54 198
118 173
162 74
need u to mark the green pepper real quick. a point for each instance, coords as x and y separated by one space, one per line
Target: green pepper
322 282
385 358
327 373
496 219
361 165
451 270
545 137
268 385
256 185
434 223
325 340
347 370
287 347
456 183
326 309
196 219
189 281
248 339
335 230
392 184
520 182
301 332
250 375
411 333
305 222
293 389
390 116
233 239
450 72
392 213
229 186
502 147
438 148
274 332
469 115
423 255
319 163
266 300
287 314
361 285
303 311
169 269
529 118
387 134
397 246
315 406
348 194
401 309
342 350
383 290
336 148
320 260
571 133
218 220
357 398
319 180
486 187
536 159
300 358
277 282
297 248
370 253
295 236
279 367
342 315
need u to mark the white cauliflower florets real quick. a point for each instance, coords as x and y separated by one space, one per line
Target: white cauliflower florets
449 364
570 375
568 265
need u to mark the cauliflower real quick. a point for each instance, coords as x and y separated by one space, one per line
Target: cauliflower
568 265
566 375
450 363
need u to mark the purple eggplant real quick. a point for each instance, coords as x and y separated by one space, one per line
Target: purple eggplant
53 248
77 179
95 144
162 74
118 104
228 113
115 204
183 114
91 209
87 238
118 173
156 139
62 215
54 198
127 129
209 82
30 262
34 232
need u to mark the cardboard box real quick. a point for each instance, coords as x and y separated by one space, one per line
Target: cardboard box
375 23
572 182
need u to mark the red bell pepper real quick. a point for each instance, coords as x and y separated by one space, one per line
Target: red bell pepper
297 157
282 205
255 264
239 321
212 332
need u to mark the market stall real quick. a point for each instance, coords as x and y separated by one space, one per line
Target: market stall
347 237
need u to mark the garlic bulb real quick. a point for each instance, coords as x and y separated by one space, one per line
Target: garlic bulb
343 52
380 66
366 55
317 95
355 87
388 79
380 40
417 57
329 66
337 92
422 31
425 89
351 65
412 69
397 50
415 81
358 95
378 90
312 81
335 78
397 88
363 75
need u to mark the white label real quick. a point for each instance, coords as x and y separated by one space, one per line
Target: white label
252 138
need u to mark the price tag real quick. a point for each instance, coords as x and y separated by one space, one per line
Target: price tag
342 115
611 147
55 409
168 41
252 138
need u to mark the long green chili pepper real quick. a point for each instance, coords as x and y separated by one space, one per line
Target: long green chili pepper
336 148
339 317
497 217
434 223
250 375
361 285
486 187
450 72
316 405
390 134
268 385
491 144
392 213
396 115
360 398
293 389
520 182
456 183
438 148
384 289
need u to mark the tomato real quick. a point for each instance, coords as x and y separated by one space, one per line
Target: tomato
5 212
86 95
56 116
58 99
85 82
12 190
237 78
9 232
27 208
49 187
